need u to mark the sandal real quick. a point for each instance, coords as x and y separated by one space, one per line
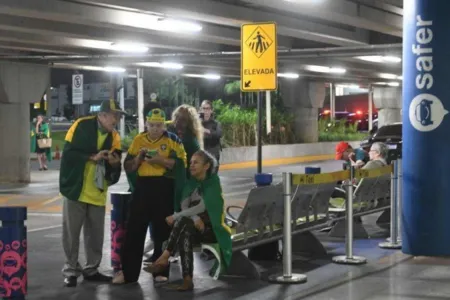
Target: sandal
156 268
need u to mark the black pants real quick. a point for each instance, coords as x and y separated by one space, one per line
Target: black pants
183 237
152 203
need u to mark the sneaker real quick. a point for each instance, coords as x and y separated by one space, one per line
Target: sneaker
98 277
70 281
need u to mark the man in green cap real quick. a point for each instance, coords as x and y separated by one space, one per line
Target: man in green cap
91 162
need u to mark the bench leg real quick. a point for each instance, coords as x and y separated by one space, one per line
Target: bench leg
306 243
339 229
241 266
384 220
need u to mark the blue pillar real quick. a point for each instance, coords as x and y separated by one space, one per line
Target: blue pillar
426 128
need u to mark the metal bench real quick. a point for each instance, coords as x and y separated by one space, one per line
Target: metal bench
261 221
372 195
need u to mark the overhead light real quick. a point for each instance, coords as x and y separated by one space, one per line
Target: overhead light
114 69
392 83
380 59
349 86
288 75
166 65
129 47
178 26
206 76
322 69
390 76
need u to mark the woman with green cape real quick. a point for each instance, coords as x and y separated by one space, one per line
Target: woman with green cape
201 220
40 131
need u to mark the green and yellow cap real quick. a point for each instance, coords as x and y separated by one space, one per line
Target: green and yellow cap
156 115
111 106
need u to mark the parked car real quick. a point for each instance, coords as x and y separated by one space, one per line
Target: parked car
359 118
391 135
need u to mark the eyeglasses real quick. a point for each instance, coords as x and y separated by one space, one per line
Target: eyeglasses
206 108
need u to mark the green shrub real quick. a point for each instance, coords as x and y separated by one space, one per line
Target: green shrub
330 131
126 142
239 126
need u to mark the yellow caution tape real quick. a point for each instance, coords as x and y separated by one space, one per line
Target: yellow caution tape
302 179
372 173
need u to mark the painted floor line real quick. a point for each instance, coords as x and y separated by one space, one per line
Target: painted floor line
44 228
40 204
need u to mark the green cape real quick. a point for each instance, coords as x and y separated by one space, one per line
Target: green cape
46 130
211 191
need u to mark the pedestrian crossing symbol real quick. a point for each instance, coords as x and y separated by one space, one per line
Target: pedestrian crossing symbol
259 42
259 67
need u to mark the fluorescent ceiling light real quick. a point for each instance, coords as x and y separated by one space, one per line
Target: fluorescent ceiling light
206 76
129 47
392 83
322 69
390 76
380 59
167 65
178 26
114 69
349 86
288 75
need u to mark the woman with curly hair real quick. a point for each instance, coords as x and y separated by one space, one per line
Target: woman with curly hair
186 124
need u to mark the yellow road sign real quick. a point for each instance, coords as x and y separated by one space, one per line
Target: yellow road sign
258 57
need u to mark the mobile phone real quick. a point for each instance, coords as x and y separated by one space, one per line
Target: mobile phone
202 115
151 153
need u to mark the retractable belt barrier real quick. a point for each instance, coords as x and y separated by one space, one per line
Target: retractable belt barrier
348 177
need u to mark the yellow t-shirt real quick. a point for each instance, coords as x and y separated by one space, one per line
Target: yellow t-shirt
166 144
90 193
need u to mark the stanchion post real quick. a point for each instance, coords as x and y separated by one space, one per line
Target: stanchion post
287 276
399 199
393 242
349 258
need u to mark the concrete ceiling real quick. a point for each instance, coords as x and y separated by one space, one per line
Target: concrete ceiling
321 32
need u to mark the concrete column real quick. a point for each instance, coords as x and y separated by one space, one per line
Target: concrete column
388 101
304 98
20 84
15 144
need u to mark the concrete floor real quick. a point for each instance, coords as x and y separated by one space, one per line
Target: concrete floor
387 275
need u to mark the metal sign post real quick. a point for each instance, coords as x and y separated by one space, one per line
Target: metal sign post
259 67
287 276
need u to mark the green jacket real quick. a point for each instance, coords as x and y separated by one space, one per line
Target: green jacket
211 191
81 143
45 130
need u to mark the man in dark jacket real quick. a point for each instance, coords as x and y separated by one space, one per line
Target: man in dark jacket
91 162
212 130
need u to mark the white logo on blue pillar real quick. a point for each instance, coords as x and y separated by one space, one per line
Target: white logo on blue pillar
426 112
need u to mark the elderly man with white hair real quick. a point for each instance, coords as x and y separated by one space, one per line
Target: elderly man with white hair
377 154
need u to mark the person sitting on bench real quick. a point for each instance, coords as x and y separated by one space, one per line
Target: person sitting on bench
200 220
378 152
